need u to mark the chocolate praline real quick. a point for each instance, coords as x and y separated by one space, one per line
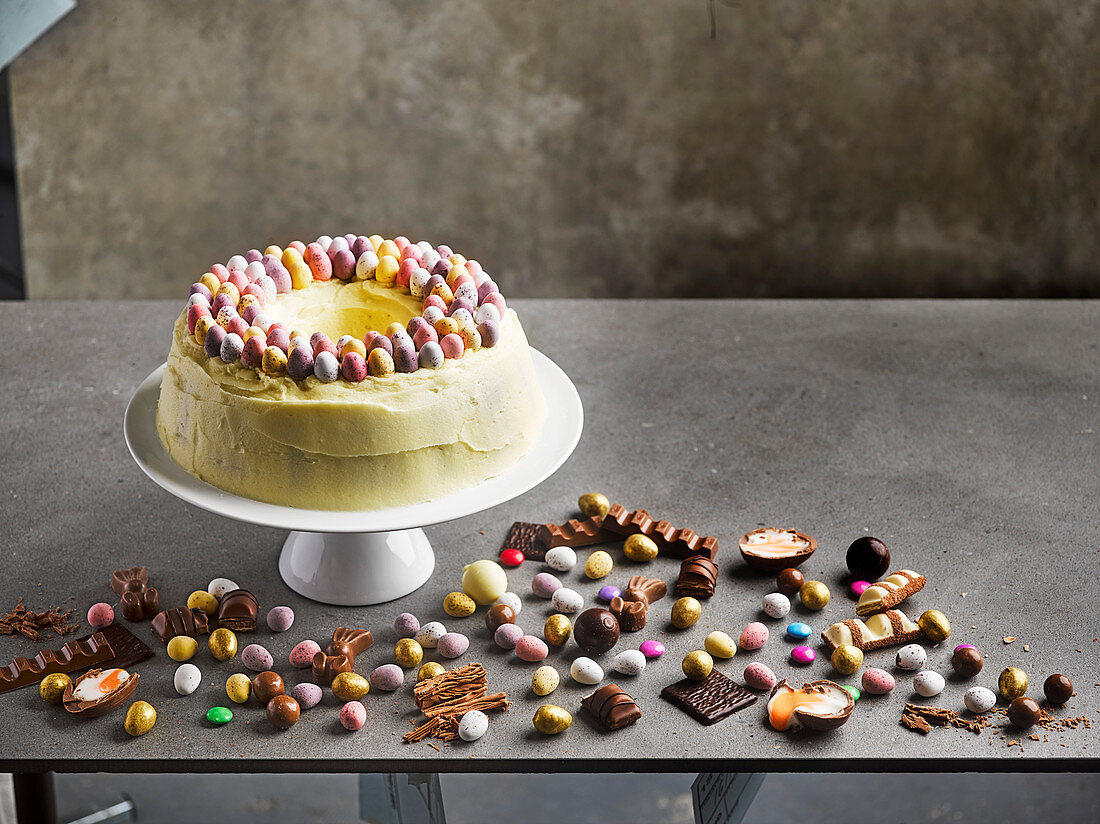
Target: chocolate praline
789 581
1024 712
283 712
1058 689
596 630
267 685
868 558
967 662
499 615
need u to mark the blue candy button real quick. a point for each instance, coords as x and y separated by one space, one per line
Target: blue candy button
798 631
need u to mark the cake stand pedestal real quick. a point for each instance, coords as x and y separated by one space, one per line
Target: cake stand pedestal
364 557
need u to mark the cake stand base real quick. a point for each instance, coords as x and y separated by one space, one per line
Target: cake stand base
357 568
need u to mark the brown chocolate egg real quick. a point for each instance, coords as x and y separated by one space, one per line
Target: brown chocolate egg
596 631
771 550
789 581
266 685
499 615
868 558
1024 712
283 712
1058 689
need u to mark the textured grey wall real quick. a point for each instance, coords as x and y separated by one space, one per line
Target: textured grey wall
932 147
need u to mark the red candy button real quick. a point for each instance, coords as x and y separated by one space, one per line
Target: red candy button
511 557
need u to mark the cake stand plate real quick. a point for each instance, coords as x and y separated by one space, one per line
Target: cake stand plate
357 558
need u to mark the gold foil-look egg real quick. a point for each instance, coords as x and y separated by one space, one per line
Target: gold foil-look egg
52 687
459 605
545 680
686 612
350 686
720 645
640 548
408 652
182 648
550 720
697 665
201 599
847 658
223 644
593 504
557 630
814 595
598 565
934 625
1012 683
239 688
140 718
430 670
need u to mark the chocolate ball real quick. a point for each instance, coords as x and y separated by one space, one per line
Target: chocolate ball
596 630
499 615
1058 689
283 712
868 558
1024 712
267 685
966 661
789 581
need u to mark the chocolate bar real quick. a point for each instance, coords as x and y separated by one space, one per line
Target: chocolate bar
574 533
129 649
710 700
640 588
890 591
884 629
631 615
611 707
682 543
74 655
524 537
237 611
698 577
139 601
169 623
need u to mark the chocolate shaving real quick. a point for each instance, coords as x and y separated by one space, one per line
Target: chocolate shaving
450 695
35 625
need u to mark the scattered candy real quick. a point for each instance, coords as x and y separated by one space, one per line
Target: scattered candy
238 687
307 695
652 649
52 687
598 565
789 581
754 636
966 661
759 676
353 715
557 629
561 558
803 655
640 548
591 504
406 625
222 644
257 658
473 725
512 600
140 718
201 599
685 612
351 686
868 558
911 657
266 685
776 605
325 367
429 634
408 653
629 662
928 683
567 600
979 699
283 712
507 635
847 659
484 581
453 644
430 670
459 605
858 587
877 681
545 585
187 679
852 691
608 593
697 665
302 654
544 680
934 625
280 619
219 715
1012 683
182 648
798 631
814 595
530 648
720 645
1058 689
512 557
551 720
585 671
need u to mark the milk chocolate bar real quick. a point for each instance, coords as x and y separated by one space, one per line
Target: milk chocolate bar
640 588
698 577
139 601
169 623
682 543
74 655
524 537
631 615
574 533
237 611
889 592
611 707
884 629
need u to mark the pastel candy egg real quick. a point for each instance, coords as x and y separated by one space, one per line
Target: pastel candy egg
101 615
359 245
237 326
473 725
979 699
412 251
343 265
652 649
443 292
798 631
585 671
928 683
324 241
353 715
405 359
467 293
544 680
320 342
487 312
299 363
453 644
221 301
425 334
339 244
629 662
911 657
405 270
444 250
256 658
201 290
452 346
187 679
507 635
219 586
598 565
433 315
387 677
201 599
877 681
759 676
365 265
512 600
353 367
429 634
252 353
301 276
530 648
297 246
473 267
202 326
776 605
561 558
376 340
307 695
302 654
460 314
237 262
376 241
253 255
545 585
256 291
280 619
238 687
320 266
279 338
380 363
254 270
754 636
484 289
608 593
490 333
720 645
389 247
194 312
325 367
418 282
274 361
239 279
497 300
567 600
270 287
230 289
431 356
803 655
406 625
386 270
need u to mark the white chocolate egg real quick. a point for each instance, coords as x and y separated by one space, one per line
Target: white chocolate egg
911 657
629 662
187 679
561 558
430 633
928 683
980 699
473 725
567 600
586 671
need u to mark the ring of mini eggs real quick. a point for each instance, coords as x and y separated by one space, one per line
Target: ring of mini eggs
462 308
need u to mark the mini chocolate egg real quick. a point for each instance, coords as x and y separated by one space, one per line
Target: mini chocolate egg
697 665
186 679
430 670
911 657
544 680
545 585
353 715
877 681
609 593
429 634
551 720
789 581
351 686
182 648
979 699
140 718
557 630
652 649
453 644
1058 689
720 645
640 548
776 605
484 581
598 565
753 636
803 655
232 347
256 658
325 367
561 558
299 363
585 671
307 695
490 333
408 653
266 685
798 631
280 619
506 636
685 612
222 644
814 595
1012 683
52 687
101 615
406 625
274 361
934 625
472 725
430 355
512 557
629 662
512 600
966 661
459 605
591 504
302 654
847 659
386 678
759 676
283 712
530 648
238 687
928 683
1024 712
567 600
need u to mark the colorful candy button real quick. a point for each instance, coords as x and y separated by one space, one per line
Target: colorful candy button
652 649
798 631
858 587
219 715
803 655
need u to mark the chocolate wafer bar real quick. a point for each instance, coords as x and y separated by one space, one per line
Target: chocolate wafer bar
611 707
884 629
889 592
74 655
710 700
169 623
574 533
682 543
698 577
524 536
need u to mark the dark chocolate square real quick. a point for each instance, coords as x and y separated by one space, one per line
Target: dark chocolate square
710 700
524 537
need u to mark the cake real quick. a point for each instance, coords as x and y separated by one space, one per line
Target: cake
352 373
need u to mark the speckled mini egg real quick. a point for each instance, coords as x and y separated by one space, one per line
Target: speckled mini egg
238 687
776 605
490 333
353 715
754 636
453 644
325 367
507 635
406 625
101 615
232 347
302 654
307 695
877 681
928 683
512 600
609 593
280 619
720 645
979 699
430 355
585 671
561 558
530 648
429 634
629 662
847 659
652 649
430 670
544 680
473 725
567 600
408 653
459 605
598 565
201 599
256 658
911 657
759 676
187 679
387 677
545 585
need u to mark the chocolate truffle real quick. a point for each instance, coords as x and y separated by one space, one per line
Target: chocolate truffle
267 685
789 581
1058 689
1024 712
966 661
596 630
868 558
283 712
499 615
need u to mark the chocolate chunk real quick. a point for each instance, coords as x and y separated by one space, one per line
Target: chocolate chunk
915 722
631 615
611 707
698 577
710 700
138 600
327 667
237 611
650 590
169 623
574 533
524 537
596 631
682 543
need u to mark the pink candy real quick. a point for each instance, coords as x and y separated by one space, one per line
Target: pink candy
507 635
424 335
302 655
545 585
343 264
318 262
754 636
452 346
877 681
238 279
101 615
437 301
193 314
353 715
530 648
652 649
858 587
803 655
353 367
220 272
759 676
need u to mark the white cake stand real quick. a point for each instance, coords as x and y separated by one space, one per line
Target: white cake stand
363 557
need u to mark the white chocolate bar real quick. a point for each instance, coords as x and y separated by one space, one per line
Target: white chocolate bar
883 629
890 591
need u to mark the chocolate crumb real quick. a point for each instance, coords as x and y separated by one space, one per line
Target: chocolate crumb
1009 639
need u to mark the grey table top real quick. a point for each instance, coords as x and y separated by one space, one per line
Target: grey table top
963 434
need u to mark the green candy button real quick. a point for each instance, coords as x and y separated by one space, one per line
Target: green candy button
852 691
219 715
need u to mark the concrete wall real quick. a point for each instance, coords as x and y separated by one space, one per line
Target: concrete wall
931 147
